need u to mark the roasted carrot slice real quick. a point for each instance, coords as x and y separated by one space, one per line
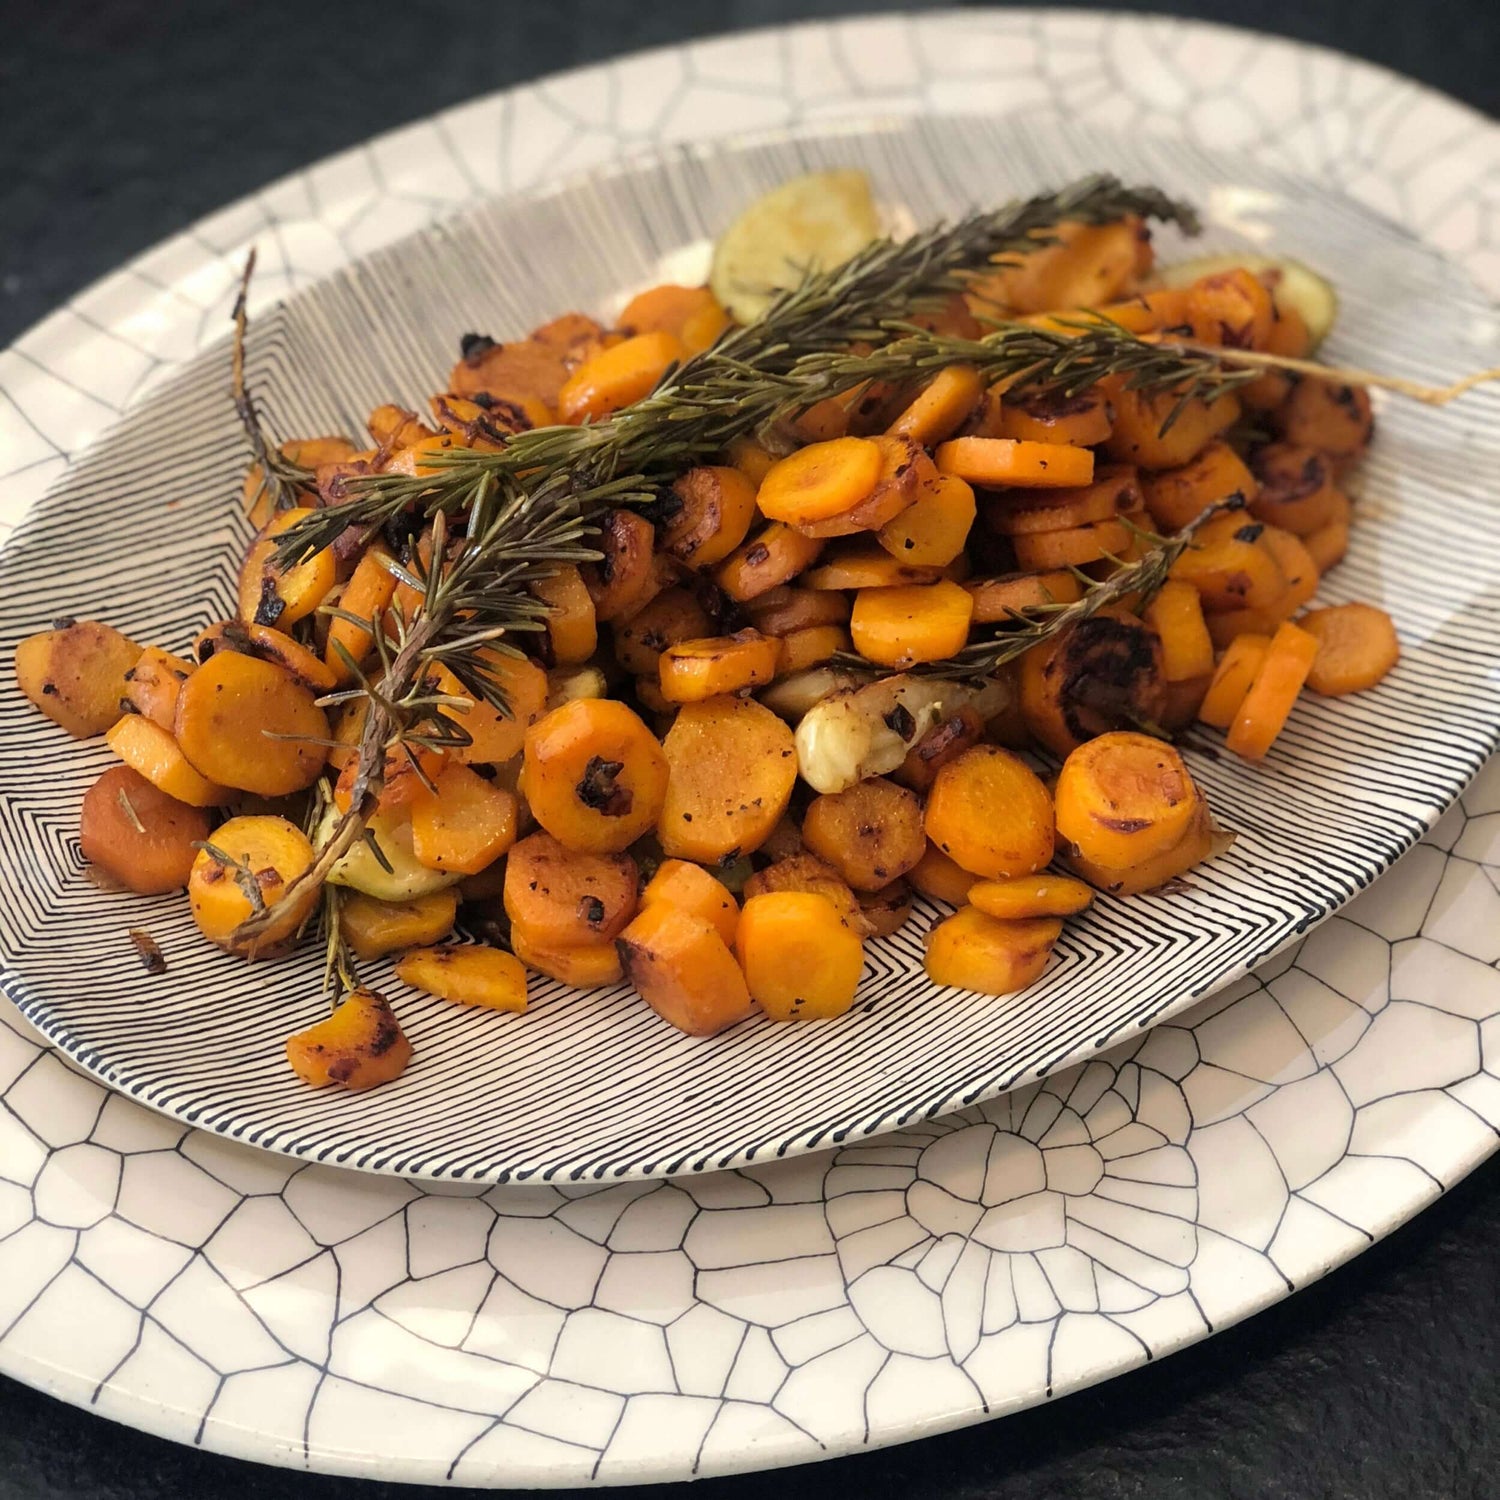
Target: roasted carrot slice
694 670
1176 615
973 951
618 376
1072 547
1023 896
692 889
681 967
369 590
1006 461
1114 491
1272 695
1231 680
1082 420
801 960
939 410
820 480
921 622
1123 798
999 598
767 558
1357 646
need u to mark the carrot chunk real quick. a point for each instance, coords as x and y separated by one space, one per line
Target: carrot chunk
1357 646
1272 695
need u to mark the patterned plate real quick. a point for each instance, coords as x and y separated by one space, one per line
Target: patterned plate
783 1312
594 1085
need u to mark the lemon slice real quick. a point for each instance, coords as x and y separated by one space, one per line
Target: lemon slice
814 222
1297 286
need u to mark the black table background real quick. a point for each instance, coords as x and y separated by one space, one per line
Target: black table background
121 122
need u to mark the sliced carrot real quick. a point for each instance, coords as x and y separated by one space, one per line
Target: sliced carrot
785 610
1231 680
1301 575
821 480
1082 420
1357 646
941 407
715 507
1023 896
898 627
582 966
1006 461
991 814
153 683
800 649
933 530
1123 798
905 471
692 889
1336 419
939 877
1268 704
1179 496
618 376
767 558
999 598
1230 566
752 459
691 671
572 625
1142 435
801 960
1114 491
973 951
465 823
1232 308
1176 615
1073 547
683 970
366 596
692 313
1296 488
866 565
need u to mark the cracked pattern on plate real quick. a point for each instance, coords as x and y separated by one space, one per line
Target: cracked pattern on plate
781 1313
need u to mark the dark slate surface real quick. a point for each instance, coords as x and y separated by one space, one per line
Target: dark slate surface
122 121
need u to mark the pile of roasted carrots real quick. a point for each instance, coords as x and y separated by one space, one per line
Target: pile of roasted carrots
693 789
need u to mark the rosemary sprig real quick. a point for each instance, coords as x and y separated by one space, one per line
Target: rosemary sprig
280 478
723 392
981 658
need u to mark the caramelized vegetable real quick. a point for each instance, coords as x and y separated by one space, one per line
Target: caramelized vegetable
871 834
594 775
360 1046
801 649
464 823
1073 548
713 510
624 580
138 836
1026 896
887 910
866 565
941 407
972 951
683 970
266 644
572 630
1171 864
1328 544
801 961
1268 704
806 872
1335 419
1103 673
374 928
1083 420
618 376
692 889
1114 491
989 812
249 866
270 594
75 673
785 610
691 313
366 596
769 557
943 742
1003 461
905 470
245 723
466 974
1177 497
496 737
1357 647
821 480
732 764
694 670
1123 798
1296 489
1176 615
1001 598
932 531
152 684
583 966
1229 567
565 899
150 751
673 616
1301 582
900 626
937 876
1138 437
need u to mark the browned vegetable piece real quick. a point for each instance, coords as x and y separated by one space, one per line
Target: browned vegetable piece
680 966
937 876
972 951
572 626
692 671
1176 497
360 1046
767 558
269 645
674 615
1337 419
905 469
152 684
710 510
583 966
249 724
871 834
887 910
801 962
625 579
938 746
496 737
1296 490
151 751
138 836
531 370
374 928
75 673
806 872
787 609
1357 647
1124 798
249 865
989 812
1000 598
467 974
270 594
565 899
1103 673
